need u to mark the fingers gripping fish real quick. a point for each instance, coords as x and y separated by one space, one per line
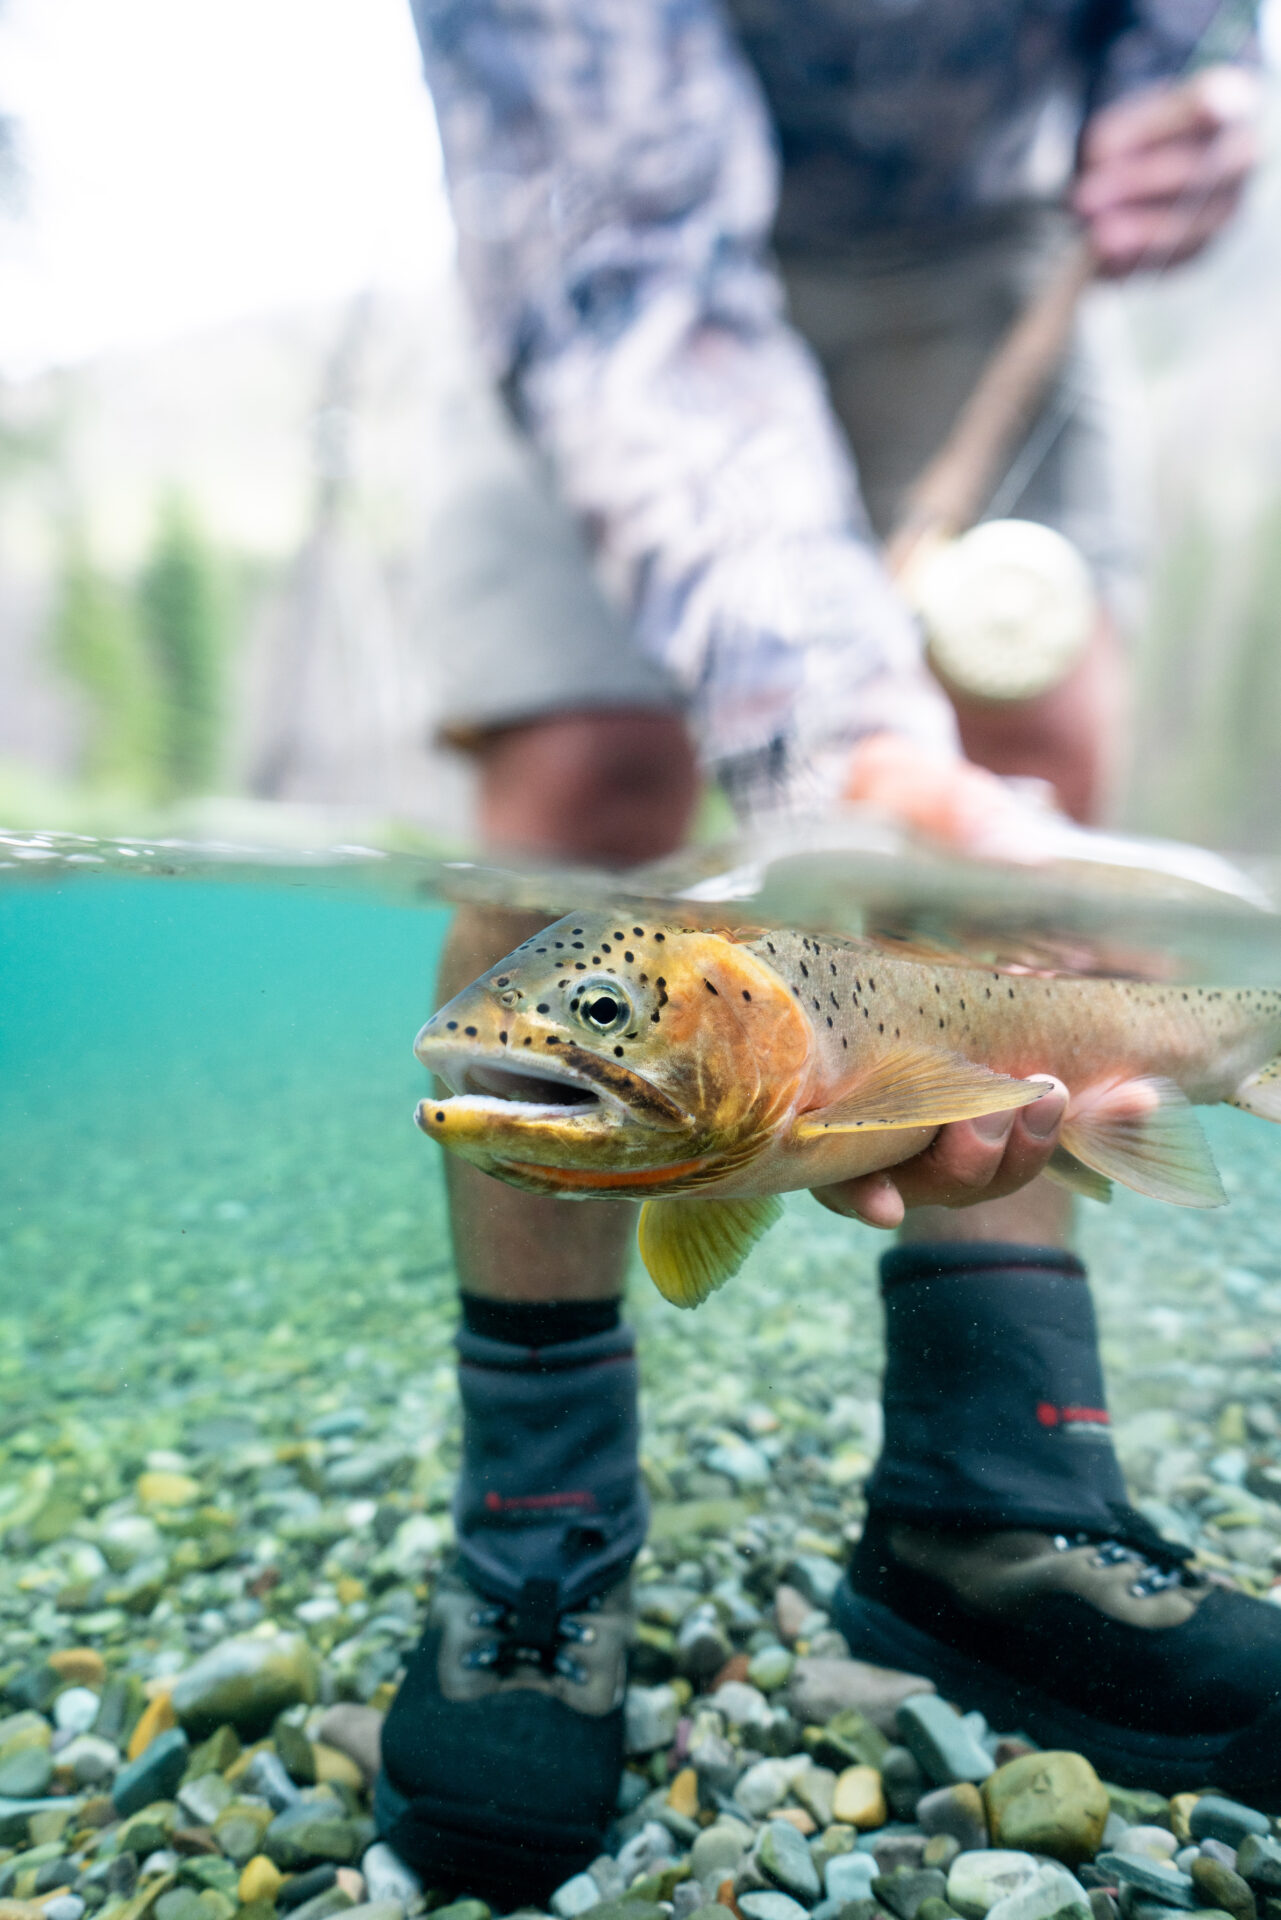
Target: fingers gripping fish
705 1073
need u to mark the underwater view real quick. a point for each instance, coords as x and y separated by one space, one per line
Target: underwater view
229 1433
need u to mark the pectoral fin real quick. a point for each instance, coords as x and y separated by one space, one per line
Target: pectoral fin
1067 1171
1144 1134
916 1087
691 1247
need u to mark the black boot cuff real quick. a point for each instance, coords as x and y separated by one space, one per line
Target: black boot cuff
925 1261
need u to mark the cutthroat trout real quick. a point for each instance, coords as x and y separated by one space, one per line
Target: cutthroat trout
707 1072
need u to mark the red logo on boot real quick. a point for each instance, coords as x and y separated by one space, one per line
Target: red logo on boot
1051 1416
538 1502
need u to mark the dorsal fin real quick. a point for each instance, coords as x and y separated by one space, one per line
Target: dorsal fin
917 1087
692 1247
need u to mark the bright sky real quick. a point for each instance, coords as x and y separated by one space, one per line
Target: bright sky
187 163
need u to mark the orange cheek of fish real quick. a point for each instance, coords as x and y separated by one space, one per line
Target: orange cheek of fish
744 1043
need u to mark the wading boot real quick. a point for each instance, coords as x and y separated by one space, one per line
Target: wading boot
1001 1557
503 1749
504 1746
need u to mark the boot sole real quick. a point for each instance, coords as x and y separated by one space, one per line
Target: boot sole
1165 1762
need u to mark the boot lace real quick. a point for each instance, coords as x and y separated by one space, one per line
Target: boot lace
1161 1564
533 1631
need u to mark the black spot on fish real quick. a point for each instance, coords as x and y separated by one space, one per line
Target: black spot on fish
937 988
660 936
829 1019
962 1006
560 946
502 1038
711 989
578 946
575 929
452 1025
644 979
620 936
470 1032
871 986
542 1007
580 966
527 1041
639 932
629 957
987 993
816 1006
605 947
439 1118
770 945
540 949
942 1023
654 1018
880 1026
618 1053
832 997
831 966
1010 990
553 1040
805 972
844 1041
746 994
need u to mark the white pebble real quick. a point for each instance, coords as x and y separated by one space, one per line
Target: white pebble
67 1906
575 1896
387 1877
75 1710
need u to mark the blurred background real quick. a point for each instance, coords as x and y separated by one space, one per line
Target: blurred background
236 392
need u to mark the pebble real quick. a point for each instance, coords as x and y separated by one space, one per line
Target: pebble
387 1877
1216 1818
859 1800
66 1906
819 1689
1051 1891
977 1881
764 1787
154 1775
743 1705
1051 1803
939 1740
784 1858
957 1811
1159 1878
245 1682
650 1717
1151 1843
1219 1886
575 1896
849 1876
770 1906
25 1774
719 1849
75 1710
770 1668
905 1891
1258 1860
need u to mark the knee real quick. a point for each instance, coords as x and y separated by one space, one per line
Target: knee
616 787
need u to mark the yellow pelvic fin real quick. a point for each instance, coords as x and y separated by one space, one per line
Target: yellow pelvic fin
1144 1133
693 1246
917 1087
1261 1092
1067 1171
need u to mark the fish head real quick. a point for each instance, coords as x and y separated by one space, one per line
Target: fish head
603 1057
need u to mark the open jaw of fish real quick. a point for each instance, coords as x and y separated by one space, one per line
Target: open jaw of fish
706 1072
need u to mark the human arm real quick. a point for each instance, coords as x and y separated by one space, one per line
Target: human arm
613 182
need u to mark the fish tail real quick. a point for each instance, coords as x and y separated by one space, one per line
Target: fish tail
1260 1092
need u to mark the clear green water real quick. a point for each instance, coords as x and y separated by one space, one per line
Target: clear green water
214 1204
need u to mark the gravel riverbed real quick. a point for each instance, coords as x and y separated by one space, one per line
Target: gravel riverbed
228 1428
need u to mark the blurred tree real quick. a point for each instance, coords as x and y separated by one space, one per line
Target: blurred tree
96 642
180 605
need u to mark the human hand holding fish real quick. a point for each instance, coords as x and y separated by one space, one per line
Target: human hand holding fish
706 1070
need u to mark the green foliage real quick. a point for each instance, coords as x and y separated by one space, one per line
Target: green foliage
181 615
96 642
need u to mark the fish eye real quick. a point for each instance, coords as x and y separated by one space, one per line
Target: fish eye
602 1006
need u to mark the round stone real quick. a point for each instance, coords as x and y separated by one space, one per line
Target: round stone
784 1858
770 1906
1051 1803
859 1800
976 1881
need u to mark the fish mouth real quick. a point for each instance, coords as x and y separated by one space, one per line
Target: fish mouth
575 1087
529 1093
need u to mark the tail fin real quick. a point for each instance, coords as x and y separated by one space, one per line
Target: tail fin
1261 1092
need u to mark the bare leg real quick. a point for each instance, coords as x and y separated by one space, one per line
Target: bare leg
615 788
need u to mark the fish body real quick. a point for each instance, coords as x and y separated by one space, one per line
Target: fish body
678 1064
